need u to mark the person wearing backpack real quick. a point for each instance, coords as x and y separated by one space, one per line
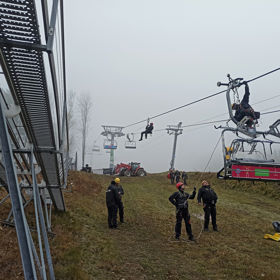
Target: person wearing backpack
209 199
113 201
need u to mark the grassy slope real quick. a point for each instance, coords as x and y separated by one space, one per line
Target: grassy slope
85 248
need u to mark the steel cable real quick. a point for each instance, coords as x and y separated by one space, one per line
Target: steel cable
198 100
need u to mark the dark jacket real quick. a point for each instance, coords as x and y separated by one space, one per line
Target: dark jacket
112 196
244 108
177 173
179 199
208 196
149 128
120 190
184 175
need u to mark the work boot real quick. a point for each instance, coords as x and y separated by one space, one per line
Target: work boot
215 228
206 229
177 237
191 238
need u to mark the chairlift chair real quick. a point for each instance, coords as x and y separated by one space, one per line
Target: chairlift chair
96 148
251 159
130 144
232 96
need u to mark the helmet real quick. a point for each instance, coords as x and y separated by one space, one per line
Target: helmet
117 180
205 183
179 185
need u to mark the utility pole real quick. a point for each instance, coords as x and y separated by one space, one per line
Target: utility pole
110 143
174 130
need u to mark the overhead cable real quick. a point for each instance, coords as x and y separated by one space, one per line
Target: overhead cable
177 108
210 122
265 74
271 112
198 100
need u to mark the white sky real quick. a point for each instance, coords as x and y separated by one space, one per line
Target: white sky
140 58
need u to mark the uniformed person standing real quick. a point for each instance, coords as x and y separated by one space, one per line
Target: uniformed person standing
179 199
121 193
177 176
112 201
184 177
172 176
209 199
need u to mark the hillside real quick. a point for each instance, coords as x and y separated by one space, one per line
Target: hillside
144 248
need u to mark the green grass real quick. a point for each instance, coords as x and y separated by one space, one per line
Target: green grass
84 247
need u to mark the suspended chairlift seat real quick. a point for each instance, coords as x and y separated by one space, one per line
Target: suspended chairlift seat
96 148
130 144
247 159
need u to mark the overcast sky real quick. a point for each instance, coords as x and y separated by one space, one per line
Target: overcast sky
140 58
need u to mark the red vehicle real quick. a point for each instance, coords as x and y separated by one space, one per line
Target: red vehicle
131 169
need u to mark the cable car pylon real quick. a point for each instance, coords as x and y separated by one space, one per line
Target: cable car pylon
110 132
174 130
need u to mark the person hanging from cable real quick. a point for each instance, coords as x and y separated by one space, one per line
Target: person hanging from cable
148 130
244 109
180 200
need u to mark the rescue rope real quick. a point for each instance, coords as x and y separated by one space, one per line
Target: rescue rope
211 156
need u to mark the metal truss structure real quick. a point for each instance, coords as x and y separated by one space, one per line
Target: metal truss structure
110 132
33 123
174 130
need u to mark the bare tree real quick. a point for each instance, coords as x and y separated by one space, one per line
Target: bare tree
70 118
85 105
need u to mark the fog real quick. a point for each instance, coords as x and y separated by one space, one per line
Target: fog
137 59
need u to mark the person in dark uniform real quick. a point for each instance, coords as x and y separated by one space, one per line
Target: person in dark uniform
177 176
172 176
209 199
184 177
180 200
148 130
121 193
244 109
112 201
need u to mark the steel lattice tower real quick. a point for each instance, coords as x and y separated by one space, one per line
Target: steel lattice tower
111 132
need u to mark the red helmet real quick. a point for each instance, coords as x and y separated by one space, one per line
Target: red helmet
179 185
